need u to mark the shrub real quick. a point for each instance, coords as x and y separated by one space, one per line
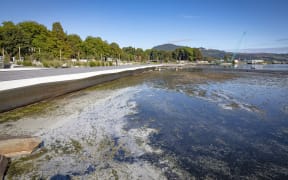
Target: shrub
55 64
27 63
92 64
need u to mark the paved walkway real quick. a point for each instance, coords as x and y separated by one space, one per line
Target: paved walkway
25 73
17 79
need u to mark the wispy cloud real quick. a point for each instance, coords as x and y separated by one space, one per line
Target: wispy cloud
190 16
282 40
180 40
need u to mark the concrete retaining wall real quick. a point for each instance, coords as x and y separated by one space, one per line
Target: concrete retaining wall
13 98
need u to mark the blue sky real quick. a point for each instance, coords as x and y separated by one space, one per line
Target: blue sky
215 24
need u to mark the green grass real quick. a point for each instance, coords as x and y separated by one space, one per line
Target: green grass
71 147
18 113
115 174
18 169
24 165
76 145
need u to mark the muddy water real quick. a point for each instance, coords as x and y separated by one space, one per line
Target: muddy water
169 124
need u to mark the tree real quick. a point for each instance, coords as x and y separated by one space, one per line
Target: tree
197 54
130 53
35 36
75 43
96 48
37 42
60 41
115 50
58 31
11 38
227 57
187 53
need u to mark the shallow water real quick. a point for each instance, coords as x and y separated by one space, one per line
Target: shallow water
220 128
273 67
168 124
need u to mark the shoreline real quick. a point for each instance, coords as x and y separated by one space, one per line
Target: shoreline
18 93
78 131
87 133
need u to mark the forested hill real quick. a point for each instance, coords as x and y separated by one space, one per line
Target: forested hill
166 47
213 53
218 54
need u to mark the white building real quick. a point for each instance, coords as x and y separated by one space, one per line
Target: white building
255 61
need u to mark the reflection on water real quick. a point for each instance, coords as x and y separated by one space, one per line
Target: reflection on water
191 123
216 125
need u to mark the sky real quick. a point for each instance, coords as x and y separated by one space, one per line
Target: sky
249 25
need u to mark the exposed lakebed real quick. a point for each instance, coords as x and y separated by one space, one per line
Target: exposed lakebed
170 124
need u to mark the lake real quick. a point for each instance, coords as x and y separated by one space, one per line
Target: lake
175 123
273 67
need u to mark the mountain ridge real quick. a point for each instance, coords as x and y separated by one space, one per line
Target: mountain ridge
166 47
220 54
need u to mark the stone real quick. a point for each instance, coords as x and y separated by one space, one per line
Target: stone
15 146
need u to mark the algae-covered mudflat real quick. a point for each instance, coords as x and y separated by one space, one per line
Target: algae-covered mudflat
171 124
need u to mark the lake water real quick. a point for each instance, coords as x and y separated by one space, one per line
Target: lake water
218 127
188 123
274 67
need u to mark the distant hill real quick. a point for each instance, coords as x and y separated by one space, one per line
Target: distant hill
214 53
219 54
264 56
166 47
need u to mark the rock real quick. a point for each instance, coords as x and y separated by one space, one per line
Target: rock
3 166
18 145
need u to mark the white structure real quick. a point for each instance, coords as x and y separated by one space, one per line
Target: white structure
255 61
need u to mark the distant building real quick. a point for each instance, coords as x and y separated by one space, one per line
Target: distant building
236 61
202 62
255 61
83 60
109 59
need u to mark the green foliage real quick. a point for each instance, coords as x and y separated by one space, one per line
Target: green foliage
36 42
54 64
33 109
24 164
186 53
93 64
76 145
27 63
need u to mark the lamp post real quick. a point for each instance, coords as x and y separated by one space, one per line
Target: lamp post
19 53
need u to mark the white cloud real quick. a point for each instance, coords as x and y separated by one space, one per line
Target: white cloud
190 16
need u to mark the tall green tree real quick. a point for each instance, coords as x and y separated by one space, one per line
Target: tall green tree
59 37
184 53
75 43
35 36
129 53
197 55
115 50
96 48
11 38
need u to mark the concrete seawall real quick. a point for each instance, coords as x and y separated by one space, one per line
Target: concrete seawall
21 96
